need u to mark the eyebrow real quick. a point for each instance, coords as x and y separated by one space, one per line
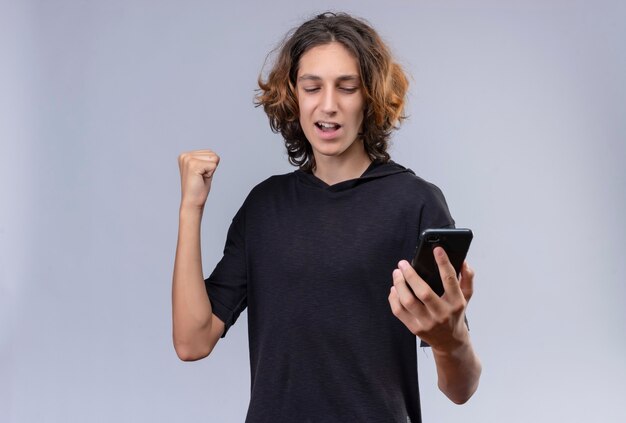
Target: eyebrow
309 77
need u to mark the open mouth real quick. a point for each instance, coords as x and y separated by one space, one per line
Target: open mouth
327 126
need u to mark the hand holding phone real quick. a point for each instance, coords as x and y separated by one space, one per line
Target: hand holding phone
455 243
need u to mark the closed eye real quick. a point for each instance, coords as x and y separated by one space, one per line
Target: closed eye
348 90
310 90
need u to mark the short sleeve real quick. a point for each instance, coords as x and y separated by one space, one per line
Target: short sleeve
227 284
434 213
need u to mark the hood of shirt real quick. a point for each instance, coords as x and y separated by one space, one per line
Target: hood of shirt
376 170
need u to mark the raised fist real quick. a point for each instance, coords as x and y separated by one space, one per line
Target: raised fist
196 173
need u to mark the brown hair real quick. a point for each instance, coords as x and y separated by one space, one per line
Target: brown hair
384 85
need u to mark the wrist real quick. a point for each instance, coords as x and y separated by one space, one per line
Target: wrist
455 348
190 215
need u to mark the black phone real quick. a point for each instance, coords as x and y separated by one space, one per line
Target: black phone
455 242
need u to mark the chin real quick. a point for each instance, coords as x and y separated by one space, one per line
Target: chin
330 151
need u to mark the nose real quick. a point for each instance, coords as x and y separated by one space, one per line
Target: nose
329 101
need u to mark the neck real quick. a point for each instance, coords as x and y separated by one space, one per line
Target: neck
335 169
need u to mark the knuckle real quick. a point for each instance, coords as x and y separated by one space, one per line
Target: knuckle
428 295
415 327
468 292
394 307
409 302
395 310
442 320
421 330
459 307
450 278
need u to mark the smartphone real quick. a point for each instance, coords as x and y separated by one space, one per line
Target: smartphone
455 242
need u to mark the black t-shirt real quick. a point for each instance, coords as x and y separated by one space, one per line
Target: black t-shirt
313 263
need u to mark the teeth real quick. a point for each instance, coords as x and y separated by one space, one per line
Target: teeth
327 125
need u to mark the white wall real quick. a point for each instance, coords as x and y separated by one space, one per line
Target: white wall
517 113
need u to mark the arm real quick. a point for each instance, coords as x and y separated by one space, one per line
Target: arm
440 322
196 329
458 371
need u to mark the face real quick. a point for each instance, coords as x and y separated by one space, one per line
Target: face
331 101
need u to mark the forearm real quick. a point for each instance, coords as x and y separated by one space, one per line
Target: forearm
191 309
458 371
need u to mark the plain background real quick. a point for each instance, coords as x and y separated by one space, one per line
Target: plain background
517 111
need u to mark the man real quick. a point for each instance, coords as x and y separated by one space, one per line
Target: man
311 253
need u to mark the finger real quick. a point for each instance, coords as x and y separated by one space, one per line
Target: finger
201 161
184 158
405 295
420 288
194 152
206 155
398 310
199 167
448 274
467 281
409 296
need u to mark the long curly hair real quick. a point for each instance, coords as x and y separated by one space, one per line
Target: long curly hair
384 85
